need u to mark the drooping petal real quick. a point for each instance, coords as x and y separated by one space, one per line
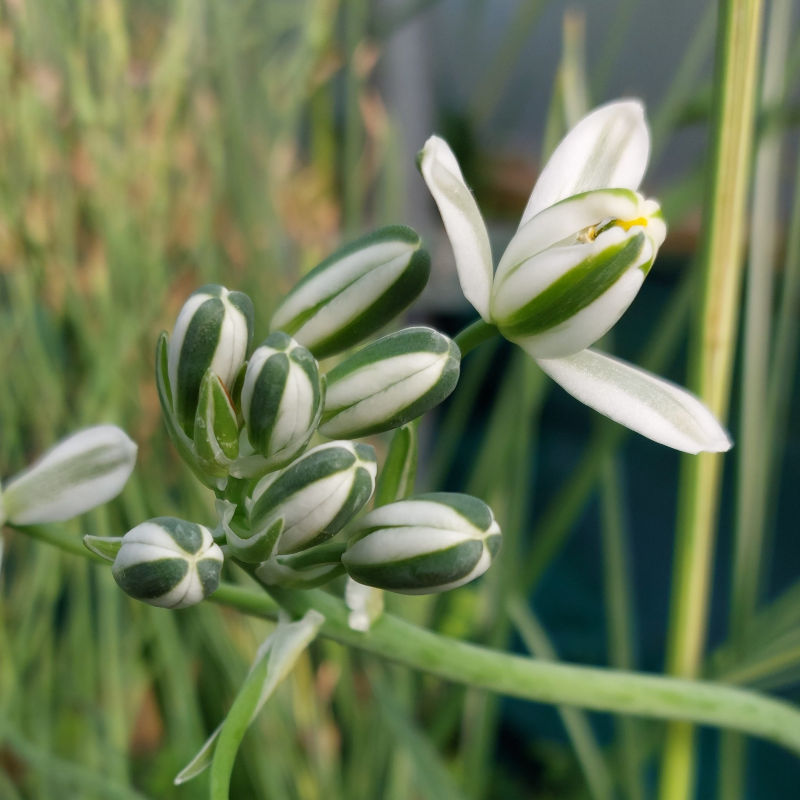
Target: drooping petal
649 405
462 221
608 148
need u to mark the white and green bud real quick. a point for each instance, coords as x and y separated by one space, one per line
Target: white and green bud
304 504
572 270
355 291
168 562
389 383
281 399
216 427
83 471
428 543
213 331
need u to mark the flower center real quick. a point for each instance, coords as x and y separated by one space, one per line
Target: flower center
593 231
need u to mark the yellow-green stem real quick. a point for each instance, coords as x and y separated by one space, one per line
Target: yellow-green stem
738 39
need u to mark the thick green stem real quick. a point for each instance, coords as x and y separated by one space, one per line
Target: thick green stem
474 334
593 688
711 359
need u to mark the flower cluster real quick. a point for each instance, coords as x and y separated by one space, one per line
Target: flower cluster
586 241
275 432
272 433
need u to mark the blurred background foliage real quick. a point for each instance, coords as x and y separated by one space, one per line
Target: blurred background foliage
149 147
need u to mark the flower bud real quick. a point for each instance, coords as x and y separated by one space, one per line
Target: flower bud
168 562
389 382
572 270
81 472
306 503
428 543
355 291
216 428
213 331
281 399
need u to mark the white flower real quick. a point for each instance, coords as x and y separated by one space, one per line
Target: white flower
585 243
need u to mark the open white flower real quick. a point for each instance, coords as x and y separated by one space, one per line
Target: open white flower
586 241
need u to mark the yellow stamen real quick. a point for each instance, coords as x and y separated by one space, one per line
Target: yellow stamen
627 224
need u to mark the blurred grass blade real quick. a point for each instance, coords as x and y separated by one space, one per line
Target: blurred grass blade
579 729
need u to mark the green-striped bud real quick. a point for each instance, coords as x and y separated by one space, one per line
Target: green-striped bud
83 471
572 270
428 543
355 291
213 331
168 562
281 399
216 427
389 382
304 504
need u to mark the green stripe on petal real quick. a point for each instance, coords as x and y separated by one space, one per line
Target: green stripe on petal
389 383
423 573
355 292
574 290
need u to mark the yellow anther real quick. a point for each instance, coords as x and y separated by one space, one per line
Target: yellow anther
627 224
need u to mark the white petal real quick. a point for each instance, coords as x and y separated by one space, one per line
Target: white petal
423 513
517 286
643 402
565 219
462 221
381 390
84 470
608 148
586 326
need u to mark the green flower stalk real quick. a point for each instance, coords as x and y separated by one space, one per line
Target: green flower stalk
428 543
355 292
585 243
168 562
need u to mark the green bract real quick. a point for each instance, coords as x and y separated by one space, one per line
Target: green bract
428 543
216 428
281 399
355 291
305 569
389 382
213 331
304 504
168 562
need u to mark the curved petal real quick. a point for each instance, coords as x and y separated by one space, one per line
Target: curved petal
608 148
566 219
643 402
462 221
